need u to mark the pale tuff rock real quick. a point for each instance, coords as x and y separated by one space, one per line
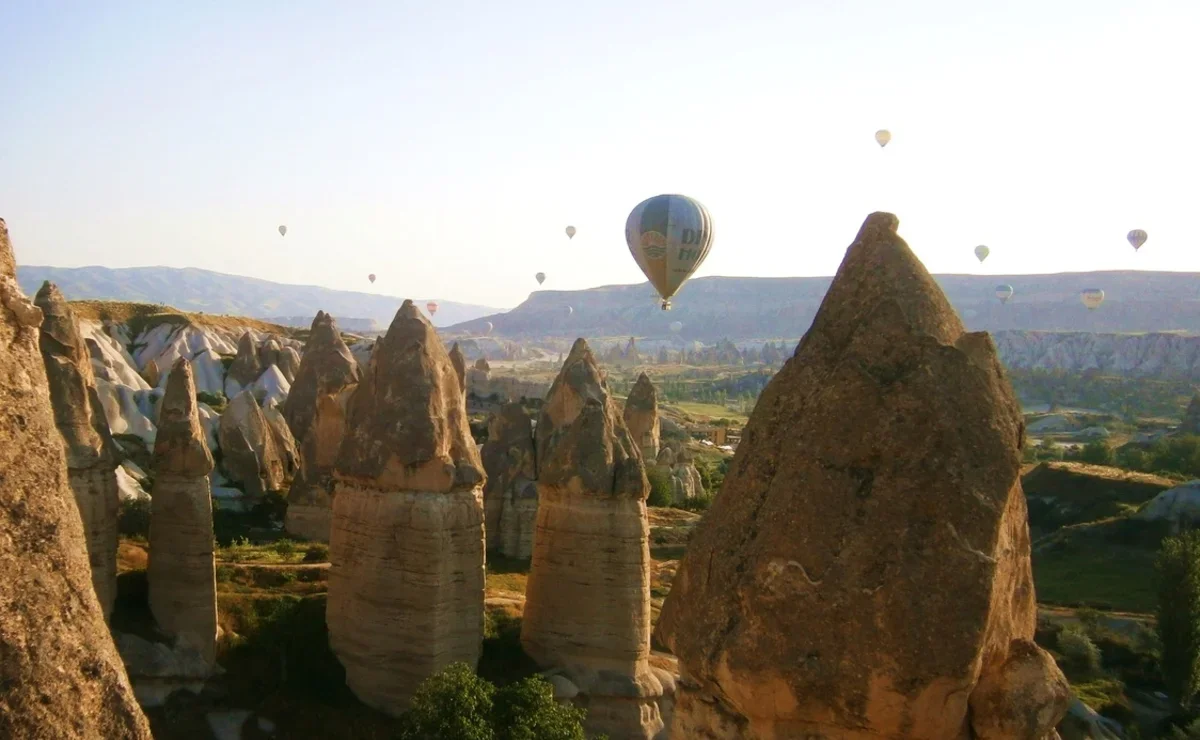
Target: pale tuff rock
510 496
909 611
92 457
676 461
289 363
408 472
249 453
641 417
281 435
587 608
61 675
269 353
245 368
181 571
315 411
460 366
152 374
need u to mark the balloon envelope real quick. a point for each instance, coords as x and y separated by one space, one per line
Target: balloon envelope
1137 238
676 326
282 230
982 252
432 306
1091 297
883 136
371 277
669 236
570 310
541 277
570 232
1004 292
487 327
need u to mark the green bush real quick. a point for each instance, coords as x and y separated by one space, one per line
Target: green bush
660 487
285 548
526 710
216 401
1079 649
1096 453
699 503
134 518
1178 567
317 552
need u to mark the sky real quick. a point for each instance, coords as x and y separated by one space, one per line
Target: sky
445 146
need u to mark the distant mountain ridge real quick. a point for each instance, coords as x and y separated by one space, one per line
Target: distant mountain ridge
739 308
193 289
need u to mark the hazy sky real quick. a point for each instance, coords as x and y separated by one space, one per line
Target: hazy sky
446 145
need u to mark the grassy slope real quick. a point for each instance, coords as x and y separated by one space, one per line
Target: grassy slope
142 316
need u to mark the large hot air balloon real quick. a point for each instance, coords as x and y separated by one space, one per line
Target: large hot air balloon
982 252
1092 298
669 236
432 306
676 326
570 310
1137 238
882 137
1004 292
371 277
541 277
487 327
282 230
570 232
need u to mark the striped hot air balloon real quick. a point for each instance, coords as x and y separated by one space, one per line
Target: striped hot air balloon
669 236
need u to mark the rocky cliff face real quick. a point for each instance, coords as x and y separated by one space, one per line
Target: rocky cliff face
460 366
316 413
408 472
61 674
181 568
92 458
251 455
1154 355
641 417
587 607
510 496
891 441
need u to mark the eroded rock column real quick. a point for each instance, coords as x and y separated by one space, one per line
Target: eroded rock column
181 569
865 570
406 548
587 606
641 417
510 496
92 458
315 411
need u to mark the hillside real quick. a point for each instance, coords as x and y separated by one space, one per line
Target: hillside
194 290
741 308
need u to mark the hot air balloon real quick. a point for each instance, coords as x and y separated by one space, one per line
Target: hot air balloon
487 327
1092 298
282 230
570 310
982 252
676 326
669 236
541 277
1137 238
1004 292
883 136
371 277
570 232
432 306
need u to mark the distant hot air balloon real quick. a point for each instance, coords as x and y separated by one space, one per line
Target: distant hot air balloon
432 306
570 232
1137 238
282 230
676 326
1004 292
487 327
669 236
1092 298
883 136
982 252
541 277
371 277
570 310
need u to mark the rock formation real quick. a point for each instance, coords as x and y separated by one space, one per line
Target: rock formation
181 571
92 458
1191 417
269 353
315 411
289 363
244 369
641 417
587 607
510 496
281 435
152 374
406 545
459 361
249 453
60 672
865 571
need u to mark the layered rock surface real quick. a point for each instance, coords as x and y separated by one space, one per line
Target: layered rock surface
250 454
60 672
315 411
406 582
92 458
510 496
641 417
245 368
181 570
459 361
587 607
865 571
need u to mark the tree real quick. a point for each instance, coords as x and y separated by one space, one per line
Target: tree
661 493
1097 453
1178 566
526 710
